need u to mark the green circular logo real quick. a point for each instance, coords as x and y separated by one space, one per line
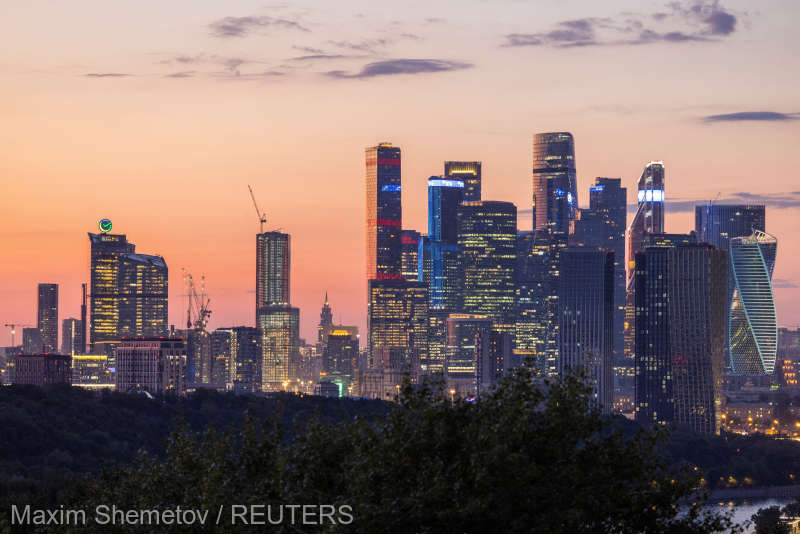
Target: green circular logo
105 225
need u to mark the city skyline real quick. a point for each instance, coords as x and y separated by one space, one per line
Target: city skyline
167 158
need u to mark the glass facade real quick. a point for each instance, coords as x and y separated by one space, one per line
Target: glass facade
71 336
717 224
384 213
753 325
272 269
555 184
47 316
143 290
279 331
468 172
106 250
409 240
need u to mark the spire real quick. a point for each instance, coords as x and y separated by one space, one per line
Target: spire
326 298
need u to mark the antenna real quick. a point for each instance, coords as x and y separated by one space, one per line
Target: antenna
261 217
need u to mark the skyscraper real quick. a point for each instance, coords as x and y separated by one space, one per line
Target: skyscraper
586 317
106 250
487 239
272 269
384 213
555 188
468 172
325 318
753 326
71 337
409 240
462 330
236 359
32 342
47 316
680 333
717 224
155 365
339 360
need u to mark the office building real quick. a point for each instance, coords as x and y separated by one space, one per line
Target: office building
272 269
71 336
493 359
91 371
788 365
384 213
152 365
555 188
437 342
487 239
468 172
753 324
198 356
43 369
409 240
717 224
680 334
340 358
47 316
236 358
325 318
279 330
460 370
586 319
32 342
106 250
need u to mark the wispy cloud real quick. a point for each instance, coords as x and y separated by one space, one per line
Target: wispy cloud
783 283
788 200
241 26
107 75
367 45
314 57
752 116
401 66
687 21
181 74
308 49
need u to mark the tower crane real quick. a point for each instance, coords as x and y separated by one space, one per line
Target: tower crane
261 217
13 327
198 312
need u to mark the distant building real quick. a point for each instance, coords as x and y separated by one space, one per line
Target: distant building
586 319
47 316
71 336
555 184
680 333
43 369
468 172
437 341
198 356
409 240
717 224
32 342
440 260
340 359
91 371
788 365
325 318
236 359
384 212
463 331
154 365
493 359
327 388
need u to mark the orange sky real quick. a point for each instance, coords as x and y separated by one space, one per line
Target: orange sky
167 150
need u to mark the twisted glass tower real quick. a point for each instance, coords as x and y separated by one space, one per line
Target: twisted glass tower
753 327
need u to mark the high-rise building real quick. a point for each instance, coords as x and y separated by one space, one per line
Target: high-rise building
753 325
82 346
91 371
43 369
409 240
717 224
47 316
437 341
586 318
32 342
154 365
487 239
788 366
71 336
493 358
555 187
198 356
680 333
339 360
444 197
236 359
128 293
272 269
384 213
325 318
462 331
468 172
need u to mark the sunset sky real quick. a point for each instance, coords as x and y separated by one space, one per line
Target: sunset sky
158 114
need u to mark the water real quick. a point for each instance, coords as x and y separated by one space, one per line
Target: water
743 511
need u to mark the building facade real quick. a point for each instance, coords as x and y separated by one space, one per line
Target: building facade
717 224
555 187
47 316
468 172
409 240
43 369
384 212
152 365
71 336
104 279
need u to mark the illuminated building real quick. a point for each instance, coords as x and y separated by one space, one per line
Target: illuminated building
325 318
462 330
91 371
680 333
493 358
789 357
47 316
586 317
384 213
437 341
398 325
409 240
32 342
440 260
71 336
555 188
717 224
648 219
154 365
340 357
536 308
487 239
444 198
468 172
272 269
753 326
236 359
43 369
198 356
129 292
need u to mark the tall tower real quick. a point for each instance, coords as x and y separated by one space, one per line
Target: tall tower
410 254
106 250
555 187
272 269
47 316
325 318
384 213
717 224
468 172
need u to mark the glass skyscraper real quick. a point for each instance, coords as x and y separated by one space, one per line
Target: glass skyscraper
468 172
555 184
47 316
680 334
384 213
753 325
487 239
409 240
717 224
440 261
272 269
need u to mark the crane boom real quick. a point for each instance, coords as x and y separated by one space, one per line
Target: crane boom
261 217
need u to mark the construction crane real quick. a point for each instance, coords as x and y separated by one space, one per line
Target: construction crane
261 217
13 327
197 313
715 198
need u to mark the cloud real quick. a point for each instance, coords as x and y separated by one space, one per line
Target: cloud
783 283
367 45
308 49
107 75
752 116
687 21
319 56
240 26
787 200
181 74
401 66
